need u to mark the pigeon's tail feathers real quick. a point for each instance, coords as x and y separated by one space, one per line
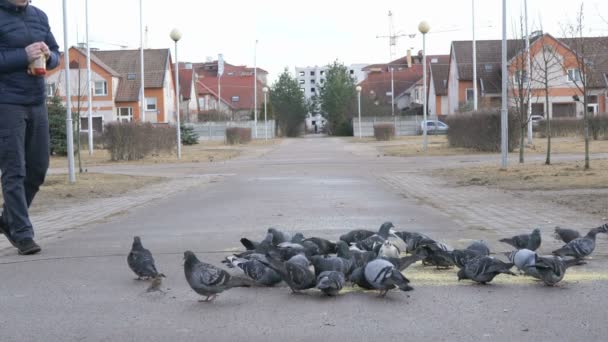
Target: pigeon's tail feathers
249 245
561 251
399 280
574 262
509 241
236 281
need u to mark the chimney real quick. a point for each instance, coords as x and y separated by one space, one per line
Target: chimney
409 58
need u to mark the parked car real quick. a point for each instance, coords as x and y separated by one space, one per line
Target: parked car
536 119
433 127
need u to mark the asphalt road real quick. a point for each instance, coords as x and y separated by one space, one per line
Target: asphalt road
80 288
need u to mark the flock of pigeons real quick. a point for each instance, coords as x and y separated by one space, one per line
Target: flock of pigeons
370 260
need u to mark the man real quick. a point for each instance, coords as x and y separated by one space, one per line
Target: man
25 36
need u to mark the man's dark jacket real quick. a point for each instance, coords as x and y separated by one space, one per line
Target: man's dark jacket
20 27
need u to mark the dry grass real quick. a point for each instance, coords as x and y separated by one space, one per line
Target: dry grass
58 192
438 146
559 176
205 151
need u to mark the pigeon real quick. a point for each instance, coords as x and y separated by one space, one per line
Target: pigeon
371 242
381 275
358 256
141 262
279 236
413 240
254 269
580 247
524 260
461 257
331 263
356 236
479 246
208 280
297 238
260 247
388 250
325 246
404 262
287 250
552 269
438 254
528 241
484 269
330 282
566 235
295 272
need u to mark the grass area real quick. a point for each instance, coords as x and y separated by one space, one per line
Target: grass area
558 176
205 151
58 192
438 146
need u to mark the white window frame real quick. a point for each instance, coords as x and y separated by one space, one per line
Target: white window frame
235 98
148 103
51 88
569 76
466 94
104 90
120 116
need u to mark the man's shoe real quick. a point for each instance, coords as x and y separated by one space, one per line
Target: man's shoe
27 246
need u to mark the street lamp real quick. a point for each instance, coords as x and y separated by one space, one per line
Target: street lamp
504 136
359 101
176 36
68 97
89 90
424 28
265 91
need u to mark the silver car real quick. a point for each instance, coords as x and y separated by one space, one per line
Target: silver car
434 127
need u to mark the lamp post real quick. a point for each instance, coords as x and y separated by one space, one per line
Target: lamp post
474 61
68 97
89 91
359 102
142 94
503 110
265 91
424 28
255 90
176 36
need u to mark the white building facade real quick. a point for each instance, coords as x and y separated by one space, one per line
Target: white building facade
312 79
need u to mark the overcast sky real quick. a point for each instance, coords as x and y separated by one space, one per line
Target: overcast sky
304 33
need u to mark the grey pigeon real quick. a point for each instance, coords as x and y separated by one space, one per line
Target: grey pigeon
371 242
358 257
325 246
297 238
388 250
324 263
254 269
580 247
484 269
141 262
289 249
295 272
524 260
356 236
404 262
413 240
552 269
279 236
479 246
208 280
260 247
529 241
438 254
330 282
384 276
566 235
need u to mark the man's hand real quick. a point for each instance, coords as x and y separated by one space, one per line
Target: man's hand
45 49
35 50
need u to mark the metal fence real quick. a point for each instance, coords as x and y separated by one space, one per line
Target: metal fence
216 130
404 125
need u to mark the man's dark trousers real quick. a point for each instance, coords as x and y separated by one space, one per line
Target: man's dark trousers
24 160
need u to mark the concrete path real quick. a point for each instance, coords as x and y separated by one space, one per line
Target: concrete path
80 289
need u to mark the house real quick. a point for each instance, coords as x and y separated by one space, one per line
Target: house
563 92
230 96
439 68
188 105
116 86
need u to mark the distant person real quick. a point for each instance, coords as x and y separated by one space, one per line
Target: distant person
27 50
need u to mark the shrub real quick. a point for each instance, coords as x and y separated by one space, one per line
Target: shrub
384 131
598 127
238 135
480 131
188 135
565 127
133 141
57 132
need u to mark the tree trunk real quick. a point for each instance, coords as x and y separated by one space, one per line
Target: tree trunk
548 117
586 120
521 143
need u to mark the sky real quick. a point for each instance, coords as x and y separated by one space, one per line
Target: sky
306 33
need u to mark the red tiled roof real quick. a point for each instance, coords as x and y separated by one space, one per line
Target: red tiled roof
232 86
380 83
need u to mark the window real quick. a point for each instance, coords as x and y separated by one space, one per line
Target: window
574 75
312 81
301 81
302 89
312 73
131 76
322 81
352 72
313 90
488 67
201 103
445 83
124 114
150 103
520 78
470 94
101 88
50 89
322 72
434 60
302 73
235 99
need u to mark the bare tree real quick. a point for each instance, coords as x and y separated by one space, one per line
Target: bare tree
547 69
